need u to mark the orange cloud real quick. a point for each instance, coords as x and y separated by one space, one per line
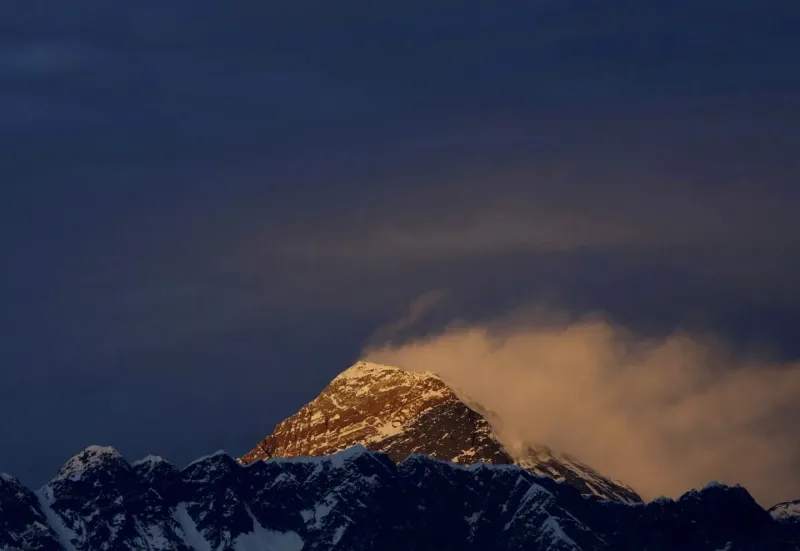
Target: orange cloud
664 415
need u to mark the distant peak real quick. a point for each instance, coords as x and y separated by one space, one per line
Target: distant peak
216 454
722 486
92 454
149 460
88 459
713 484
663 499
101 450
712 488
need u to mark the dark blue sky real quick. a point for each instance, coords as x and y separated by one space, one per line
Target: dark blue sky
207 208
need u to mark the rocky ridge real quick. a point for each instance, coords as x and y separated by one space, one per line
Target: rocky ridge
358 500
788 512
400 413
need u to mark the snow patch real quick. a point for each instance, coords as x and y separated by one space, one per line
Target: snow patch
390 428
370 370
191 535
154 537
361 369
88 459
535 492
261 539
786 511
102 450
150 459
314 518
337 536
552 529
66 537
472 520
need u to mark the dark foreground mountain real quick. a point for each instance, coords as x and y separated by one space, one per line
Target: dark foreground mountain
788 512
401 413
361 500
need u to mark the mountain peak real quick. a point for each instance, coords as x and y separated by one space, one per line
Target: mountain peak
364 377
401 413
362 369
714 487
148 460
366 404
88 459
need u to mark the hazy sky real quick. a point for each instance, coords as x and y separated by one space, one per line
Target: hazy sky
209 208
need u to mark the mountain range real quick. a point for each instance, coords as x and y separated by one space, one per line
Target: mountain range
382 459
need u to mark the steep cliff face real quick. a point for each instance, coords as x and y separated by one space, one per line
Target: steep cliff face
387 409
401 413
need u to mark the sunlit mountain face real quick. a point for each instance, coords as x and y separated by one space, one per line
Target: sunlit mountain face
400 413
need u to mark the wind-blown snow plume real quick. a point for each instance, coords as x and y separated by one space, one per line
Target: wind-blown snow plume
664 415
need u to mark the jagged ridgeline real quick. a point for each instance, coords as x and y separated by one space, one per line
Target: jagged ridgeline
383 459
401 412
362 500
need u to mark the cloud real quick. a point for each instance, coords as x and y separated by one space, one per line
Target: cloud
664 415
495 212
634 179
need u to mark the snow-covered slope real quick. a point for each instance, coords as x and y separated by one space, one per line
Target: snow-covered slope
403 412
358 500
787 512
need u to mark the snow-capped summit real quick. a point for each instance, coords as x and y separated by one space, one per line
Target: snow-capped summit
400 412
367 372
86 461
388 409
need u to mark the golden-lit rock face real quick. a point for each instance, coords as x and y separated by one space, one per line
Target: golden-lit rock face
401 413
386 409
